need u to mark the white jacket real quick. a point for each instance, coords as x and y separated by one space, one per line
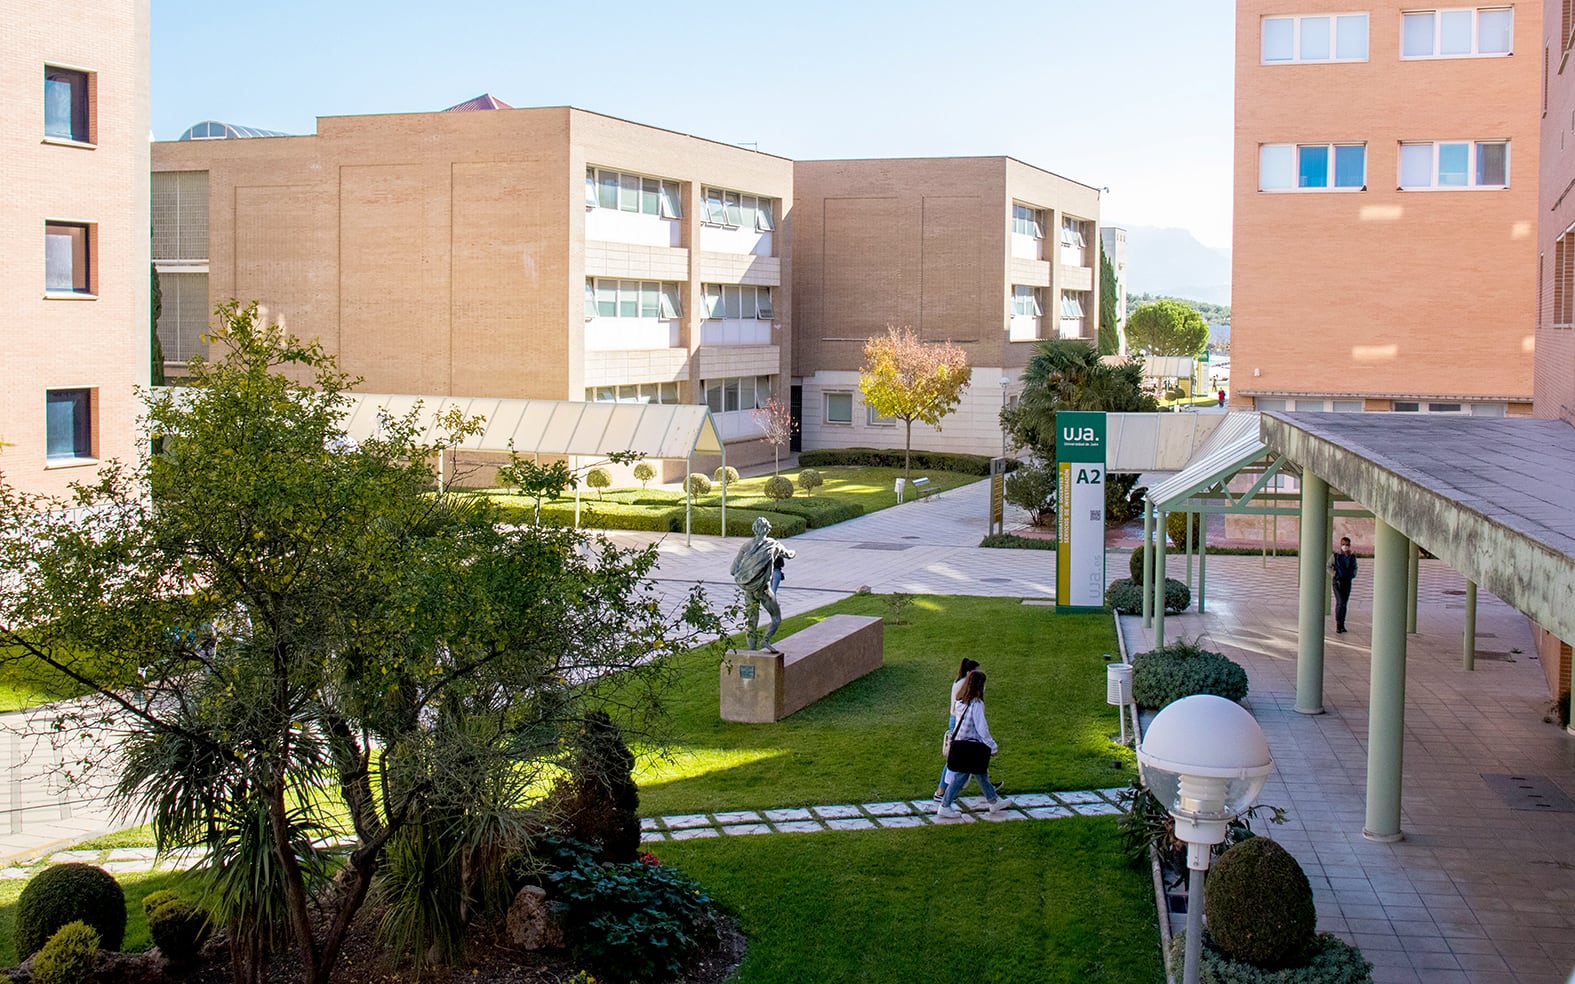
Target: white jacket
975 727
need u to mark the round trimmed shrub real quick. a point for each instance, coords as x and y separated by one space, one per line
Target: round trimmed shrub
598 478
1126 596
725 476
1176 526
1258 905
64 893
1181 670
779 488
644 472
1333 961
177 925
809 480
1178 597
67 958
1135 563
697 484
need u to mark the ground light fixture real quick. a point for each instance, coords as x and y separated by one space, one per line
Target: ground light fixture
1206 760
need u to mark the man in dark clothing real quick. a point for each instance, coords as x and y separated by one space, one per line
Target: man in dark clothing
1344 567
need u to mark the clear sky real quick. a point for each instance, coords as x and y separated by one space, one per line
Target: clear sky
1133 95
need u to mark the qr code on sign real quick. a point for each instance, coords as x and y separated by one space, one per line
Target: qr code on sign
1093 515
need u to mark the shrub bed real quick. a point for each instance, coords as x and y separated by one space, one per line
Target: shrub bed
1126 596
606 516
965 464
1182 669
1334 961
641 921
815 512
708 520
1011 541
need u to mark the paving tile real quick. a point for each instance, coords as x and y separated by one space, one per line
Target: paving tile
737 816
652 836
1096 809
647 823
742 829
686 821
133 854
887 809
1034 799
849 823
798 826
694 833
1002 816
783 815
1049 812
1080 796
907 821
126 867
836 812
69 857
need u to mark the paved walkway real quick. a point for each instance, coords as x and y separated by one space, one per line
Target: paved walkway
1483 887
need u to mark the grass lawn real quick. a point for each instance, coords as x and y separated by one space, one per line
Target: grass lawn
136 888
879 737
1010 902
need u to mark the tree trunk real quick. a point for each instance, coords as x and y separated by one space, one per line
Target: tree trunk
907 450
295 884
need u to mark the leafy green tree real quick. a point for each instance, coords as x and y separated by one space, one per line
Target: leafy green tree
1109 330
303 619
1167 328
909 379
644 472
156 305
1068 374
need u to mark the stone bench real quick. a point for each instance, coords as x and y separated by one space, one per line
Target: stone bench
760 687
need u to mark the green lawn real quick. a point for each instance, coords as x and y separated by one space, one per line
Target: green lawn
1010 902
879 737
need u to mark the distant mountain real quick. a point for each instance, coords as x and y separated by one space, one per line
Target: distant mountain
1171 262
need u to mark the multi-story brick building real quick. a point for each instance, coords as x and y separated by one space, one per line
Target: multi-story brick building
546 253
1386 206
986 252
74 282
1555 363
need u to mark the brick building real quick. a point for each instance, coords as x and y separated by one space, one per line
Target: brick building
74 280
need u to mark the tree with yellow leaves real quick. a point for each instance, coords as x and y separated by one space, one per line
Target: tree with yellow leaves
910 379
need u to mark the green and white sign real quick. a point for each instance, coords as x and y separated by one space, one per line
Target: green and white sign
1080 551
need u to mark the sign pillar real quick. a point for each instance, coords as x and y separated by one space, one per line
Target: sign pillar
1080 507
997 496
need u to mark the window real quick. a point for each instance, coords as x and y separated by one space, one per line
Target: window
1071 306
1348 406
1263 405
180 216
68 258
1460 33
736 301
1025 302
1312 167
1407 407
877 419
663 393
839 408
67 109
1564 281
735 210
737 393
1322 38
1072 233
68 424
631 193
1025 221
632 299
1454 164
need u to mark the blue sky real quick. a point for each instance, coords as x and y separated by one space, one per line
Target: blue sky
1133 95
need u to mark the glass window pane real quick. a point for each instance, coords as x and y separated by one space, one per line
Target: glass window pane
1455 32
1487 409
746 302
65 258
735 214
730 302
650 191
590 300
1416 32
672 303
1351 36
607 189
650 307
590 187
764 310
1347 406
670 201
746 393
714 211
763 220
713 301
1315 38
629 394
839 408
1492 164
607 298
628 298
1453 163
65 104
1416 165
1312 167
67 424
1495 31
1275 166
730 394
713 395
1404 407
749 211
1278 35
628 192
1350 167
669 393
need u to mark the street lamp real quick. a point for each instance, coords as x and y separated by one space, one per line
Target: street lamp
1005 382
1206 760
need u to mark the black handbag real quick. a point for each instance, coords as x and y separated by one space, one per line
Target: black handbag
968 755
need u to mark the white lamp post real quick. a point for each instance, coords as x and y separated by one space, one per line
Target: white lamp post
1206 760
1005 382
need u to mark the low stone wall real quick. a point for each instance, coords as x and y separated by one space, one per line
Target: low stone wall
758 687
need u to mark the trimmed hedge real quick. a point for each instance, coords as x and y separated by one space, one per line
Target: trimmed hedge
815 512
1182 669
1259 906
1126 596
1334 961
964 464
708 520
606 515
1011 541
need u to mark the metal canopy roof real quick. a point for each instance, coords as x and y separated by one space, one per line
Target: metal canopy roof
552 426
1234 445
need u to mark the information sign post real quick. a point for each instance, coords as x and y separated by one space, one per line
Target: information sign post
1080 505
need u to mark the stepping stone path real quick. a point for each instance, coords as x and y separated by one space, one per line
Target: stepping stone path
873 816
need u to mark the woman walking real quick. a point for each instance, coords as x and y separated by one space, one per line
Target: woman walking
971 748
953 712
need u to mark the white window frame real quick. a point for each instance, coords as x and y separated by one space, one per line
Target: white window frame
877 419
632 191
1072 234
663 296
1028 224
1071 306
736 210
1025 302
729 392
84 399
1473 151
1295 150
1476 32
717 299
1334 38
841 394
648 393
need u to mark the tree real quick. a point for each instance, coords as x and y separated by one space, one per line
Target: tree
267 615
909 379
156 309
644 472
1167 328
1109 330
776 420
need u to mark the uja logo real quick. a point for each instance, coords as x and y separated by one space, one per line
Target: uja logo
1078 435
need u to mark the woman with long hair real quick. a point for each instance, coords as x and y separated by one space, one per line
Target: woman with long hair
953 710
972 746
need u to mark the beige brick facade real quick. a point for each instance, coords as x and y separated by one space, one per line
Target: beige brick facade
1376 294
1555 312
929 243
91 339
449 253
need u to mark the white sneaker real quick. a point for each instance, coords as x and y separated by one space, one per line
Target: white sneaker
1001 803
947 814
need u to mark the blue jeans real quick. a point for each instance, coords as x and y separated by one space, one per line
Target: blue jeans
959 780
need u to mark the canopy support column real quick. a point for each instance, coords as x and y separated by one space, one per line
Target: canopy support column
1469 662
1386 688
1310 616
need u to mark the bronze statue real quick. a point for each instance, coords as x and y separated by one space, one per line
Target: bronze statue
752 570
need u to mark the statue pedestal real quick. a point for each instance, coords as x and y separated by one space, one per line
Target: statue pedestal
759 687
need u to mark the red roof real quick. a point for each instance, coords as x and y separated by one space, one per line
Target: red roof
484 101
